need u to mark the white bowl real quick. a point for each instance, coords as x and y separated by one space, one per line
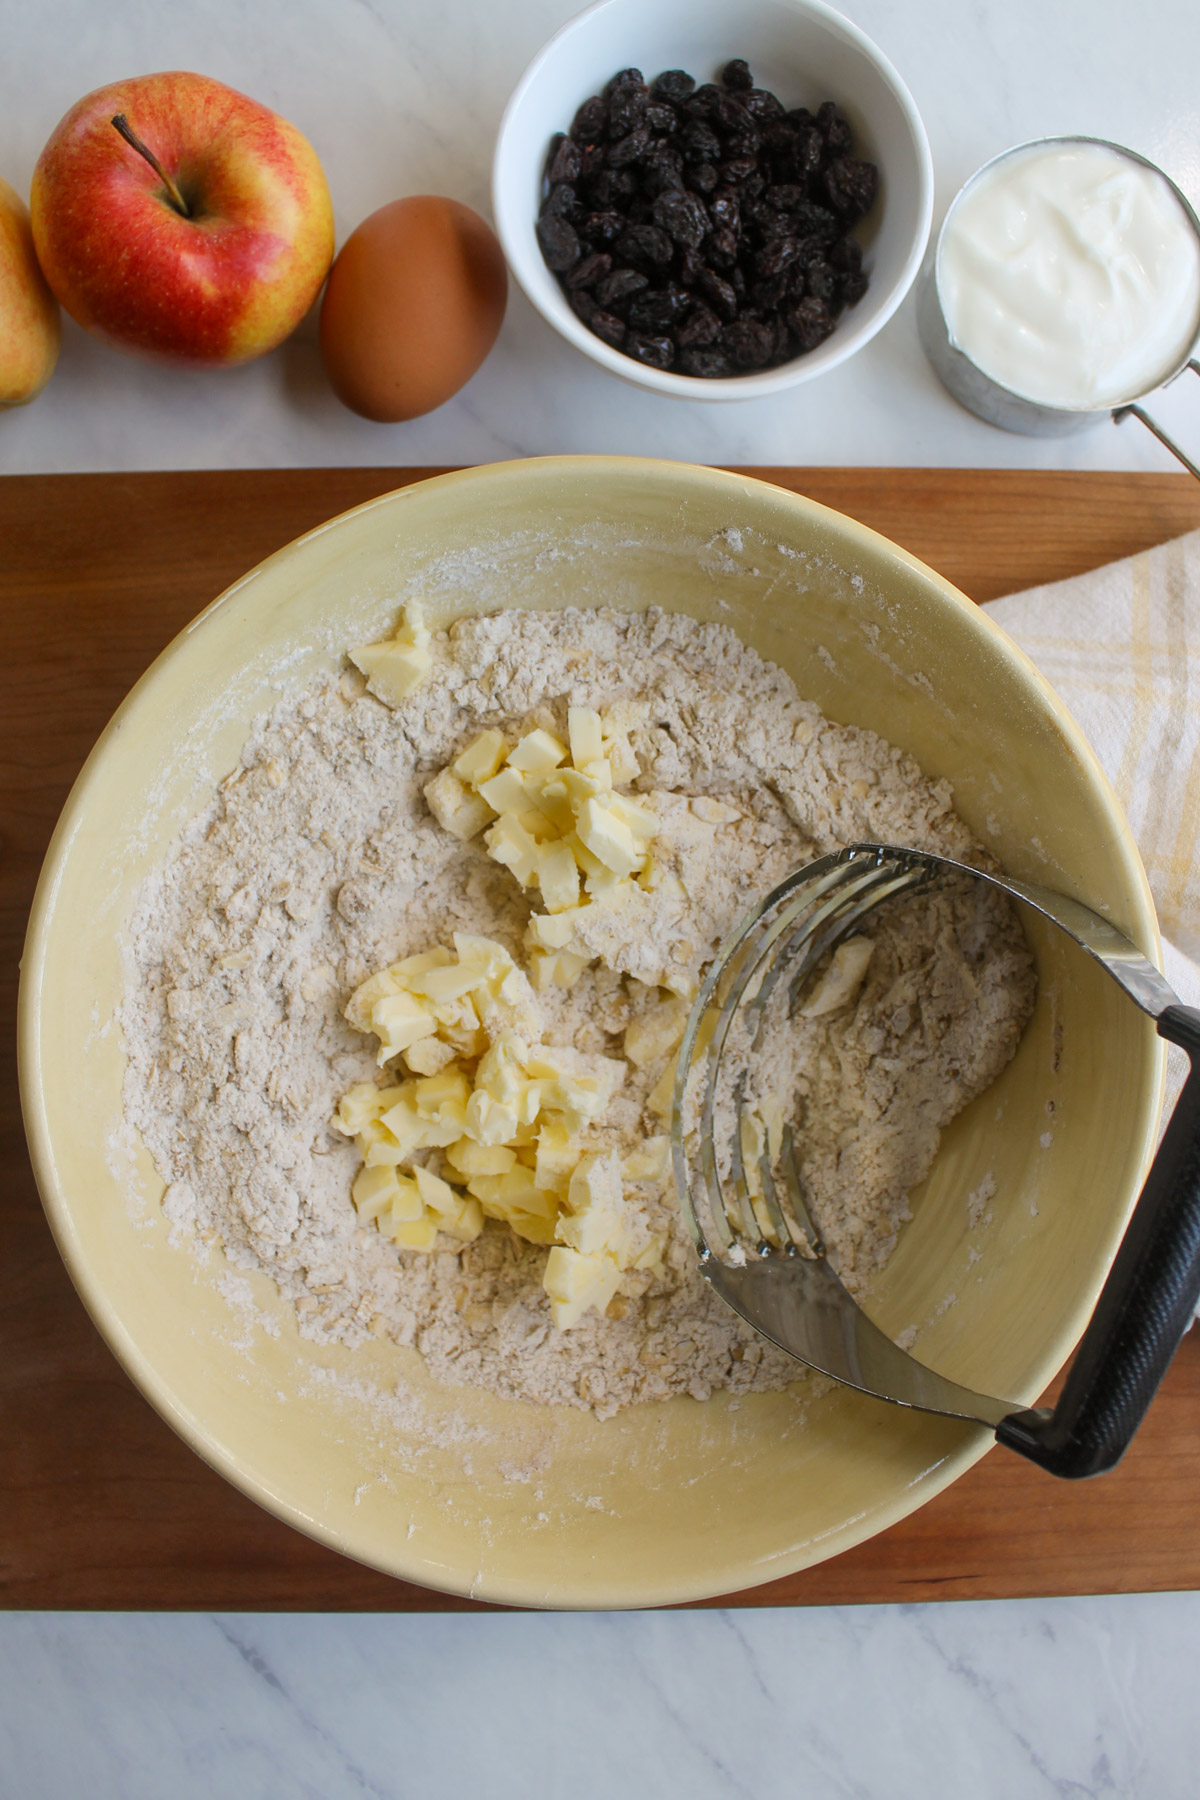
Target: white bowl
799 49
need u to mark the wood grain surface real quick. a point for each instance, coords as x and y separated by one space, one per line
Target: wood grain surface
100 1504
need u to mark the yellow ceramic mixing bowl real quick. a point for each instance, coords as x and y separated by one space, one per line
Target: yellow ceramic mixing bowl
1013 1231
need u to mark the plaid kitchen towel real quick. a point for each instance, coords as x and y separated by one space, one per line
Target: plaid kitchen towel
1122 648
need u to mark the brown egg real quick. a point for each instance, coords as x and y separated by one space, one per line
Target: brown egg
414 302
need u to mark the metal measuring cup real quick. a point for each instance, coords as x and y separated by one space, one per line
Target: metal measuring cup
991 400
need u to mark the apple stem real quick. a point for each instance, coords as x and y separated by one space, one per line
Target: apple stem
131 137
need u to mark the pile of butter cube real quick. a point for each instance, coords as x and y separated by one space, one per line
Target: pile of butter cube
552 814
505 1112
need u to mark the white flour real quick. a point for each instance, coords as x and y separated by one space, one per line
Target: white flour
319 862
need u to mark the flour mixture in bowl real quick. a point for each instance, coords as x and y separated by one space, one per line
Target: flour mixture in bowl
403 1008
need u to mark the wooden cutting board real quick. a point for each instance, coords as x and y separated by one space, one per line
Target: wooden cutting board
100 1504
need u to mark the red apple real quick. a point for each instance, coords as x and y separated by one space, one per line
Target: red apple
174 216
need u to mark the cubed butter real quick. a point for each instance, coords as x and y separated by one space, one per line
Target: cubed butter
373 1191
435 1193
468 1158
363 1000
419 1234
840 981
607 837
482 758
650 1162
585 734
357 1105
393 669
556 968
505 792
622 761
407 1204
428 1056
538 752
460 812
655 1032
398 1020
558 876
576 1282
509 843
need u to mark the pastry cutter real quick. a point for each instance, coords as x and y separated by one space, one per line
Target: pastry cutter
760 1248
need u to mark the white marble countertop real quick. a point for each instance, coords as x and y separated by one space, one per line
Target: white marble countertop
400 97
1068 1697
1003 1700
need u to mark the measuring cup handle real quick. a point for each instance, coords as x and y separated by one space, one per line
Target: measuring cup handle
1139 412
1144 1308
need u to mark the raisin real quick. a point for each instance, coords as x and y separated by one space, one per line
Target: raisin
602 227
566 162
673 84
785 197
810 220
719 294
589 122
619 286
589 271
684 216
810 148
601 190
810 323
592 161
628 149
656 309
626 113
776 256
701 178
644 247
582 304
563 202
760 104
690 268
723 209
706 361
731 117
740 169
559 243
699 143
846 255
609 328
736 74
820 281
661 176
721 247
854 286
851 186
700 104
834 129
657 352
747 343
661 118
701 326
622 79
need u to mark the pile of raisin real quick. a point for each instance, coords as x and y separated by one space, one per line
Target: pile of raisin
706 230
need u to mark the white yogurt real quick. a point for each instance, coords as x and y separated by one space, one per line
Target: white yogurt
1070 274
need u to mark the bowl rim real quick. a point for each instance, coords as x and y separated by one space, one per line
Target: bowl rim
837 349
610 1591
